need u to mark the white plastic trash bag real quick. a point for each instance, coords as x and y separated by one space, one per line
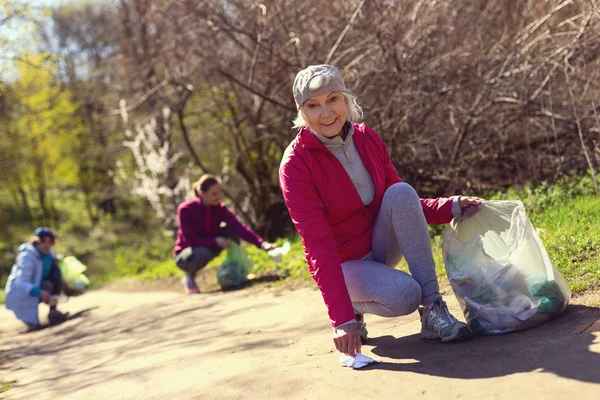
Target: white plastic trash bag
277 253
500 271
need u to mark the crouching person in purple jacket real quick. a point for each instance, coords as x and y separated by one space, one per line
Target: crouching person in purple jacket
200 237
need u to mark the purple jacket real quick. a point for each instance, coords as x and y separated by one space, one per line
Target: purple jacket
199 225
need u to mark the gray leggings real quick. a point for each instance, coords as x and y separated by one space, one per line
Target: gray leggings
374 285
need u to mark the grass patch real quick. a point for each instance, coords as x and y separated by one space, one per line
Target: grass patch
5 386
571 235
1 296
293 263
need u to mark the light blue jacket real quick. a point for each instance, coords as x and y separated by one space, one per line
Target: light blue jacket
26 274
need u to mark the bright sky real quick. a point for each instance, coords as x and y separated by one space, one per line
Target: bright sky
43 3
18 33
16 29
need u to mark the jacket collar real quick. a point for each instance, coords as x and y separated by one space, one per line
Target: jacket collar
309 139
199 201
337 142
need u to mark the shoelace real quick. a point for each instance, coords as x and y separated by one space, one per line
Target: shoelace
441 308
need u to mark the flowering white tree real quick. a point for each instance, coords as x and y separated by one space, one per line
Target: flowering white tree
154 177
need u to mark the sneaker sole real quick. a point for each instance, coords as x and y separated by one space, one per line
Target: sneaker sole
463 333
189 291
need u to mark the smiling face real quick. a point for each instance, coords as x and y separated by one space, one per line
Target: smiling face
326 114
212 197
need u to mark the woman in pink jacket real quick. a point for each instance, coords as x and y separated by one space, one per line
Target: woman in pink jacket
357 218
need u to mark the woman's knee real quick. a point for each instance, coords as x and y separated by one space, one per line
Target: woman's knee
182 257
201 256
194 259
401 190
401 198
407 299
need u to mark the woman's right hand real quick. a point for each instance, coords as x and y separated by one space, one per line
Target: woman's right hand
45 296
347 339
223 243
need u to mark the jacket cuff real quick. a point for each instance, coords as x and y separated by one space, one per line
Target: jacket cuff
35 291
352 321
456 212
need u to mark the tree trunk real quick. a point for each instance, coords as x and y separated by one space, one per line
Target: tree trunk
25 203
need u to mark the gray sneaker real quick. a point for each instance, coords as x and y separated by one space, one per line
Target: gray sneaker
362 328
438 323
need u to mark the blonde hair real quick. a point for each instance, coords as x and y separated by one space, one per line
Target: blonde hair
355 111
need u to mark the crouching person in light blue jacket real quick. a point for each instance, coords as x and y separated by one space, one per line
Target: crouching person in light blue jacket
35 277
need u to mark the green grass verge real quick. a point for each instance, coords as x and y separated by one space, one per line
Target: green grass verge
293 263
571 235
567 215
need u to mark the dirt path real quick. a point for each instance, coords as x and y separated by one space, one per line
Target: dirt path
270 345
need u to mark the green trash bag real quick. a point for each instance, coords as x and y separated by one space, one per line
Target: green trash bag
74 281
234 271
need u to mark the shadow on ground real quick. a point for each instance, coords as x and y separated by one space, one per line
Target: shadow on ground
70 317
89 344
561 347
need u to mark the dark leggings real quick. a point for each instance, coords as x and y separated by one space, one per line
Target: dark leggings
53 283
193 259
